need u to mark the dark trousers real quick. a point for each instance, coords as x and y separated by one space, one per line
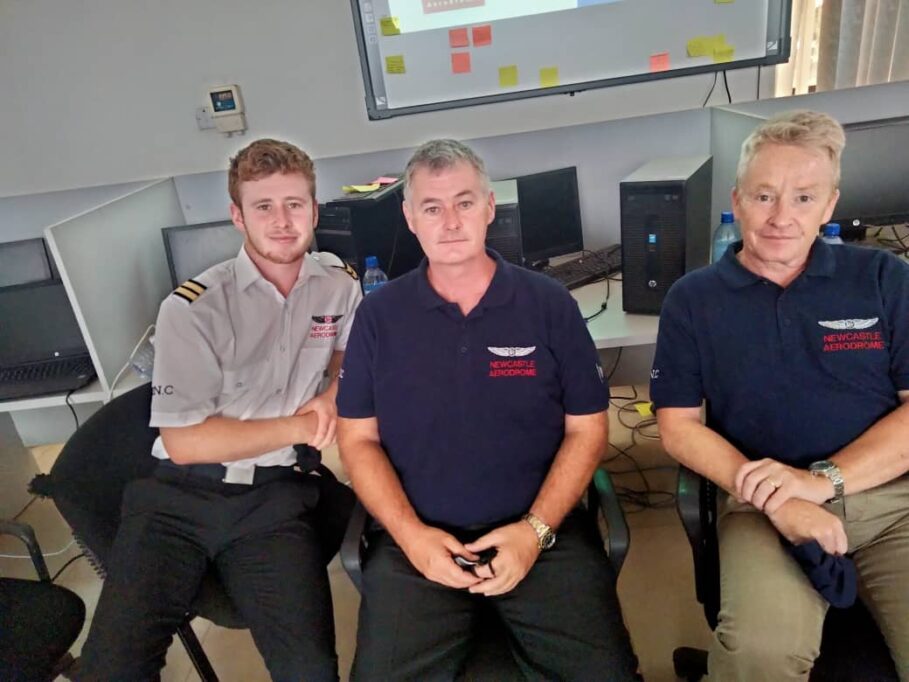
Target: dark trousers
264 546
562 622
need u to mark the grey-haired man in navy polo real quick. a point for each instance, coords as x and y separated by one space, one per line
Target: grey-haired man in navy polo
801 350
473 415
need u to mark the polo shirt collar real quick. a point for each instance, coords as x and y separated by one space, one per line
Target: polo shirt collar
821 263
247 273
499 292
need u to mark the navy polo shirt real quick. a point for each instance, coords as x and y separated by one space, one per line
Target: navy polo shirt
471 410
794 374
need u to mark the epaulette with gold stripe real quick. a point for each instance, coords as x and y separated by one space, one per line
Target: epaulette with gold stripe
348 269
190 290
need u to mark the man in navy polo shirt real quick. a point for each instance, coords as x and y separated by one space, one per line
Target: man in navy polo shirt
801 350
473 415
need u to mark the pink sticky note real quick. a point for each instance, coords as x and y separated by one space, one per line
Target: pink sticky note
659 62
482 35
457 37
460 62
384 180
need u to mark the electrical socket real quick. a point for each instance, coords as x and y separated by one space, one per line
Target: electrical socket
203 118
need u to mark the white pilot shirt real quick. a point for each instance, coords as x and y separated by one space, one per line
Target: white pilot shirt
227 343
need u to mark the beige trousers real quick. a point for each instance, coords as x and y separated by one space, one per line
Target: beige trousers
771 616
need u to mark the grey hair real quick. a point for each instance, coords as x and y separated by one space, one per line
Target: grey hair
809 129
439 155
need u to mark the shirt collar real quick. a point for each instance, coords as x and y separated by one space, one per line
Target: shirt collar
247 273
821 263
499 292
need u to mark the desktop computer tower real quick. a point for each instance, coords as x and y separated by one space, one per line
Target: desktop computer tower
665 219
369 224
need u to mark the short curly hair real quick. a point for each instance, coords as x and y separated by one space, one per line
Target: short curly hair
266 157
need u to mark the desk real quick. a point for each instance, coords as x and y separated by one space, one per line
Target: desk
614 328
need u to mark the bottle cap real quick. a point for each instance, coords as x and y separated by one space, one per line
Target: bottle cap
372 262
832 230
727 217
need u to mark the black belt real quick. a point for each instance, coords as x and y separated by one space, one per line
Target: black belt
214 473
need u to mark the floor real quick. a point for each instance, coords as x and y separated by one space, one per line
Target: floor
655 587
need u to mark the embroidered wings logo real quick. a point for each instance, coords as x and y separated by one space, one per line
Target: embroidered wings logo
511 351
326 319
848 324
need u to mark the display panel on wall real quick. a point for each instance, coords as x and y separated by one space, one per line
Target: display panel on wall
425 55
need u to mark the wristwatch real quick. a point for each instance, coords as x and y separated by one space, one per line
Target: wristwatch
832 472
546 536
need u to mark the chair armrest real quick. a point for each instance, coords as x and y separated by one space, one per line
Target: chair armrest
602 496
354 544
688 503
696 499
27 534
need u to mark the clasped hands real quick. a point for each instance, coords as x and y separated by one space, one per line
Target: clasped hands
432 551
792 498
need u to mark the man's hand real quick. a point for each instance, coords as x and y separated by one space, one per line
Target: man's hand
431 551
325 409
768 484
518 549
800 521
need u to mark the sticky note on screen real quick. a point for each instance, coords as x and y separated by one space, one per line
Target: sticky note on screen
460 62
457 37
395 64
390 26
659 62
482 35
549 76
723 53
508 76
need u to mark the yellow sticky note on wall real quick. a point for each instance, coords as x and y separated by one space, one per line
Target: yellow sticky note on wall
395 64
723 53
549 76
705 46
508 76
390 26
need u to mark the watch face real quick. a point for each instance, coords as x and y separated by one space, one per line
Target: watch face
821 466
548 540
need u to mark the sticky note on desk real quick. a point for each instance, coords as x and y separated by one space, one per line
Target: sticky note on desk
482 35
723 53
457 37
549 76
460 62
350 189
659 62
395 64
390 26
508 76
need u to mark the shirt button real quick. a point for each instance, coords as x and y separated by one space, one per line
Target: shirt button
282 349
279 391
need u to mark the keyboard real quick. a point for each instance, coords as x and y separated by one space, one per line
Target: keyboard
590 267
42 378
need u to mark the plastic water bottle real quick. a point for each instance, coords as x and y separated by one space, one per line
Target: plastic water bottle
832 234
374 277
726 233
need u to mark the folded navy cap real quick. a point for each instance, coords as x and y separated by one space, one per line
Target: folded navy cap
833 576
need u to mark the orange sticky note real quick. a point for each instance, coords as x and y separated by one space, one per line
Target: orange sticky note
457 37
549 76
482 35
659 62
460 62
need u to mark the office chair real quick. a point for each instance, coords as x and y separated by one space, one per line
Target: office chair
846 631
39 621
491 657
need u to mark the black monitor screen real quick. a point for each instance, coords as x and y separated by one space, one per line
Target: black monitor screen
24 261
550 214
37 323
193 249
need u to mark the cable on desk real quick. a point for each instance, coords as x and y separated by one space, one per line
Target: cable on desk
603 306
72 409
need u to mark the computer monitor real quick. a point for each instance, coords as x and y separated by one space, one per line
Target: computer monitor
37 323
192 249
25 261
874 171
550 214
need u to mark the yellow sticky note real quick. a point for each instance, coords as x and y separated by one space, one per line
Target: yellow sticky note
395 64
704 46
360 188
390 26
723 53
508 76
549 76
644 409
724 2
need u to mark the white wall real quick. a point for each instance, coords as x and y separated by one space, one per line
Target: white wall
102 91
